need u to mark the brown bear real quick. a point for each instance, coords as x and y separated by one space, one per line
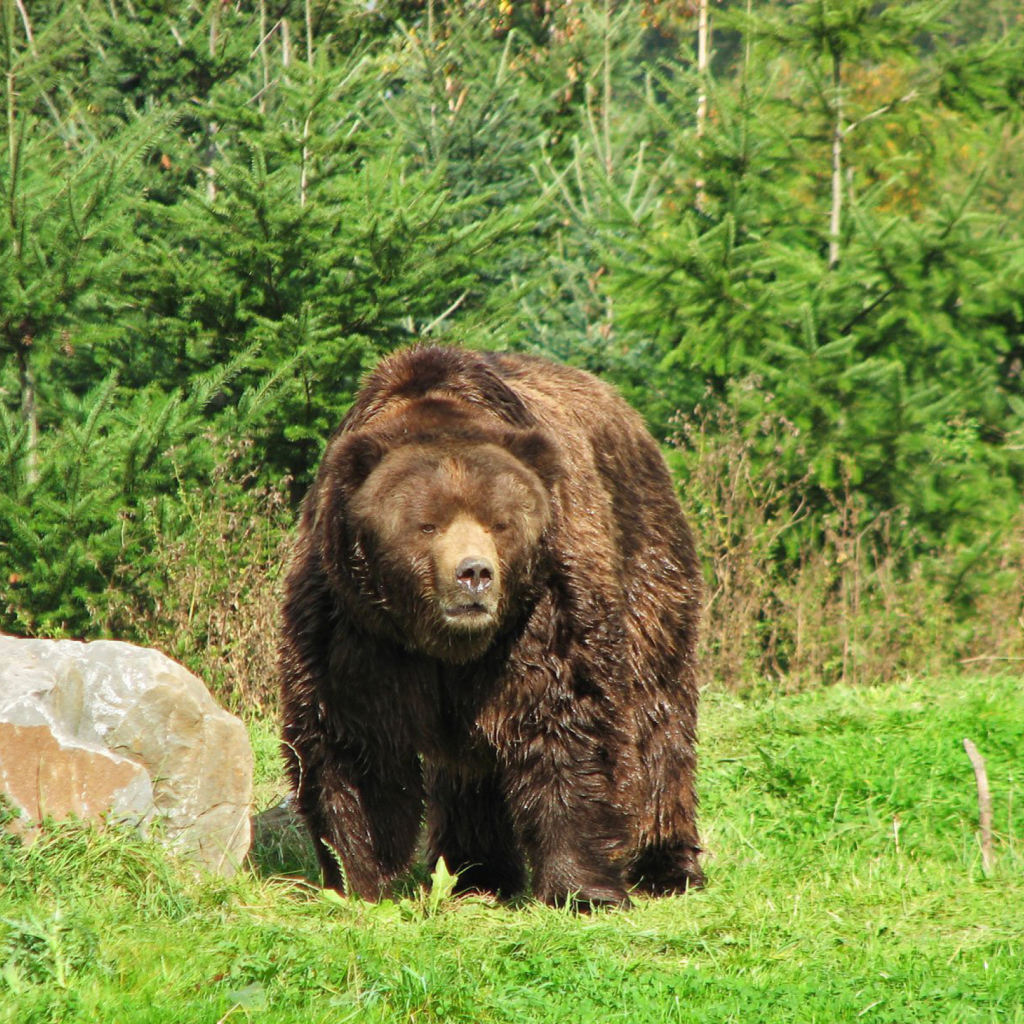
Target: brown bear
492 611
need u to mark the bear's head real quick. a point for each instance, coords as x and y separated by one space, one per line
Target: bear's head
439 537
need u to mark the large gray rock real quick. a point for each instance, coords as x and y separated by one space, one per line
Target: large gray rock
107 728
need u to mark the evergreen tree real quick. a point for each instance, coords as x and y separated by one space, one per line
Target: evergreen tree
215 217
65 233
870 321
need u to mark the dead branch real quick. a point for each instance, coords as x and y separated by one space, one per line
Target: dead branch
988 657
984 804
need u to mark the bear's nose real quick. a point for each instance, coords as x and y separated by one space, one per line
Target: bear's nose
475 574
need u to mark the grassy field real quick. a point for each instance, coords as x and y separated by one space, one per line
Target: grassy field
844 884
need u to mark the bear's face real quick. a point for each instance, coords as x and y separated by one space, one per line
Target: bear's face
452 536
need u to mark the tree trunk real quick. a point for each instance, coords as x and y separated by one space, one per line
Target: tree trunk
835 218
27 383
703 51
264 56
214 28
304 175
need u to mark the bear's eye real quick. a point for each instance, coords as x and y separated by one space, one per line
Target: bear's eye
427 527
499 527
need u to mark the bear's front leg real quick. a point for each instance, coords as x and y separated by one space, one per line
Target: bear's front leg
560 789
363 813
356 779
469 825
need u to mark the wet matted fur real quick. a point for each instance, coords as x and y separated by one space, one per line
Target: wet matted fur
491 612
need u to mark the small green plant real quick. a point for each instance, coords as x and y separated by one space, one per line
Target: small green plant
45 951
442 885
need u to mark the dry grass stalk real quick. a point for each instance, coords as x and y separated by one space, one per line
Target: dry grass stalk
844 596
984 805
216 609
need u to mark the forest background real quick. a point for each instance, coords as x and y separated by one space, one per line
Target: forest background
797 251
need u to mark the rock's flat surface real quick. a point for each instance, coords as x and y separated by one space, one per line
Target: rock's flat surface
44 774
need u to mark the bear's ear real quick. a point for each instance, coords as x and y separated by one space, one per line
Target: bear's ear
536 449
356 456
349 460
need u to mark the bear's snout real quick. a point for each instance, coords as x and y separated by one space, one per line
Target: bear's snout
468 577
475 574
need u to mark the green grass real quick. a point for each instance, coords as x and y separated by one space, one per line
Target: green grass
811 912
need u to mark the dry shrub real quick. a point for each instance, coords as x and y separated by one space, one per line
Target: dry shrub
216 591
996 635
802 600
741 515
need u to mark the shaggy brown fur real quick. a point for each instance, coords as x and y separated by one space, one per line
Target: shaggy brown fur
492 609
